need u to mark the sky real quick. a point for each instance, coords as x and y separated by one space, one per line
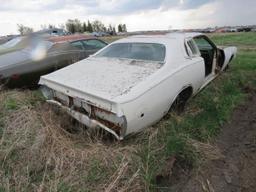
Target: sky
136 14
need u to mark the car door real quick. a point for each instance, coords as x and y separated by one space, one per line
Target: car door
93 45
208 52
63 54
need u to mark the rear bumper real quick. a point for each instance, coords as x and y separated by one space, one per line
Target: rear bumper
84 119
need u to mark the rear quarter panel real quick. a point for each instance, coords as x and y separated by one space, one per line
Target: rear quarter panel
155 102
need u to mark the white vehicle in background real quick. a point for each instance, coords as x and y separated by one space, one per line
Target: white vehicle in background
133 82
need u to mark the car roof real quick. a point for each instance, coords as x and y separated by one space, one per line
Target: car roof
69 38
160 37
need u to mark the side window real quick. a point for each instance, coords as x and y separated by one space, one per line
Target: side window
77 44
94 44
203 44
208 53
191 48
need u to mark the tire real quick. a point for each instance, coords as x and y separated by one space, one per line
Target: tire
179 103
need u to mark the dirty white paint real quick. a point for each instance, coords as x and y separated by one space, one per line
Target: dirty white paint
106 77
140 92
229 52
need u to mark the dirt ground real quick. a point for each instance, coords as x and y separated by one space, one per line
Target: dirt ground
235 171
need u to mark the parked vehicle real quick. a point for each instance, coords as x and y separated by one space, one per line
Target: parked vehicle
5 39
100 34
133 82
14 44
24 65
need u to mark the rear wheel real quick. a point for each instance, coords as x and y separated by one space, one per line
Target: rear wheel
179 103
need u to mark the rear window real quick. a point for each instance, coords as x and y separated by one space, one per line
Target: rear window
12 42
137 51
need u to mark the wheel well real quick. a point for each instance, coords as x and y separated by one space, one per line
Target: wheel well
179 102
186 93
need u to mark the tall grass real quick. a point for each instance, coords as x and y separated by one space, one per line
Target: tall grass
38 152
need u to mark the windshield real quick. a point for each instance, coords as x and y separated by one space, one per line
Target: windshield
137 51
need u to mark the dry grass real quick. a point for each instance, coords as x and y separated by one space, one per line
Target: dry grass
207 150
38 154
41 151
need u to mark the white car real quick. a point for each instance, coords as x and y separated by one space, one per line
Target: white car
133 82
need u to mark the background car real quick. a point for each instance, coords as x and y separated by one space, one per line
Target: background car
7 38
30 57
14 44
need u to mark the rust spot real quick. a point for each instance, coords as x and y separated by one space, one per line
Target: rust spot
115 127
111 125
101 110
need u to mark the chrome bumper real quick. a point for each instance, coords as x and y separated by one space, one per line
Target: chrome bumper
84 119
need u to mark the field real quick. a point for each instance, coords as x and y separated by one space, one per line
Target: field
41 149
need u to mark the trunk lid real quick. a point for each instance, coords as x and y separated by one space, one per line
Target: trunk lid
105 78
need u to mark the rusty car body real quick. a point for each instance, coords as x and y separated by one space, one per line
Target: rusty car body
25 59
133 82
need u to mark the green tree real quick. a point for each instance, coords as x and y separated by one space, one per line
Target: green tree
74 25
110 28
78 25
98 26
89 27
24 30
114 30
84 27
124 29
70 26
119 27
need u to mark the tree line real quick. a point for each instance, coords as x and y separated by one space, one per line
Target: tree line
76 26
